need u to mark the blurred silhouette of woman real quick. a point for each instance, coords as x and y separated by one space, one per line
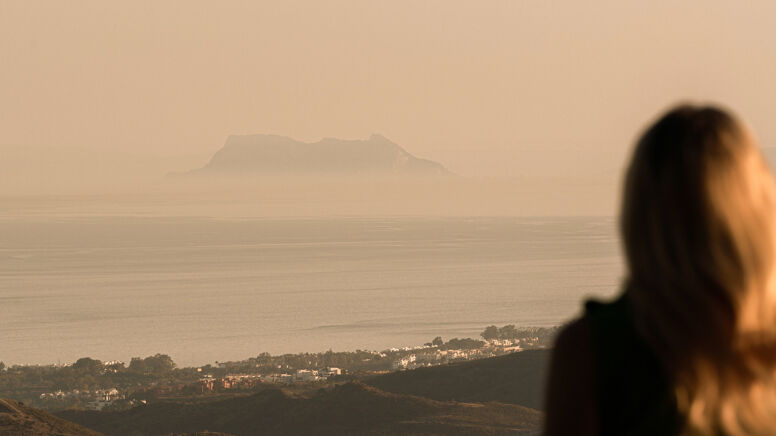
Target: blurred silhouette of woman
689 347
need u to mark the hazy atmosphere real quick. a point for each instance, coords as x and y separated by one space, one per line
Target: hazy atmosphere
535 104
376 217
293 143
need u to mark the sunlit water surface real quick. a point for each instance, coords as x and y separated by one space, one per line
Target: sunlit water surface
205 290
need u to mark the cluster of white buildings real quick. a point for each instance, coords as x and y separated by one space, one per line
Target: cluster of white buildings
99 398
407 362
434 357
104 398
237 380
301 376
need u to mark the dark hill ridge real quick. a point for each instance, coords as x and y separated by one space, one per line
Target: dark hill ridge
492 396
349 409
516 378
279 155
16 419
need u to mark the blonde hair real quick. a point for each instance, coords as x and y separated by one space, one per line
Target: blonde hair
699 231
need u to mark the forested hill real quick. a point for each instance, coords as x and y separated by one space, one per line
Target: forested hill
347 409
516 378
491 396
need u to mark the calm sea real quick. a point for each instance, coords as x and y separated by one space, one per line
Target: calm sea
205 290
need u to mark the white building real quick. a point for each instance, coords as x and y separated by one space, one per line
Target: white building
405 363
305 375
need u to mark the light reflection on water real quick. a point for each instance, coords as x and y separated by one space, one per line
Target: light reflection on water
217 289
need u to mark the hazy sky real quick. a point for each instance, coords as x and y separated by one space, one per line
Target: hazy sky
501 88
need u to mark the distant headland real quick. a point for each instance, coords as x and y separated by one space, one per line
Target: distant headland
273 155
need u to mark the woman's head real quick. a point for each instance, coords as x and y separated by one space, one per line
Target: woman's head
699 229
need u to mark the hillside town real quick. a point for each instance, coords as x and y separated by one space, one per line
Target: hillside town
156 378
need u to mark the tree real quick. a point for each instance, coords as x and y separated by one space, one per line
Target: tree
437 341
137 365
462 344
87 365
160 363
490 333
2 366
508 332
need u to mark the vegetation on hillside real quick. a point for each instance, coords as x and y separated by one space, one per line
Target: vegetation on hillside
20 420
58 387
346 409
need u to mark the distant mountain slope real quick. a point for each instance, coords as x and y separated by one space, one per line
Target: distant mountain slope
276 155
516 378
16 419
349 409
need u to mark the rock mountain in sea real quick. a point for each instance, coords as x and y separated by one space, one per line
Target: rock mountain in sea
279 155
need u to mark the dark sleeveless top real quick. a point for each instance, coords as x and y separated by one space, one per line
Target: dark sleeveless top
634 396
